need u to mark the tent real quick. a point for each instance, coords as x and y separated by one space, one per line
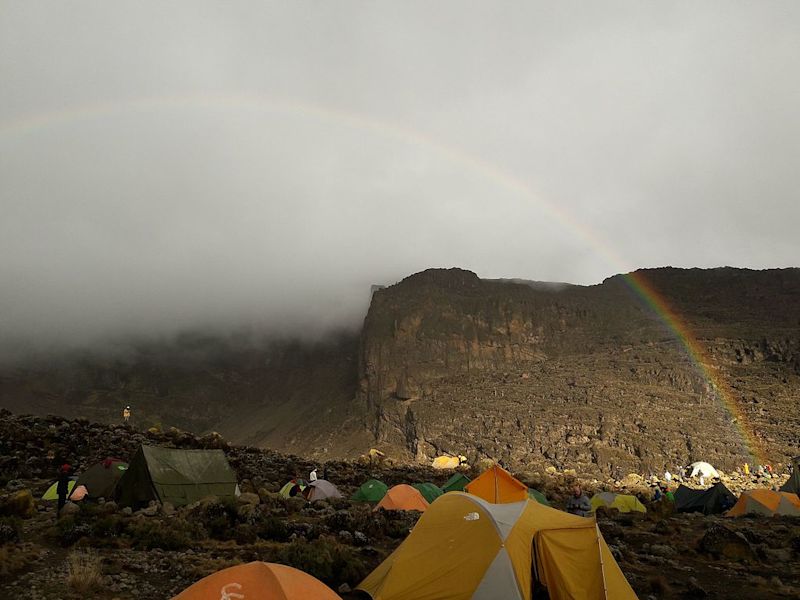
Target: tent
456 483
703 469
465 547
429 491
293 488
622 502
497 485
101 477
793 484
52 491
403 497
538 496
321 489
176 476
258 580
78 493
767 503
448 462
716 499
371 490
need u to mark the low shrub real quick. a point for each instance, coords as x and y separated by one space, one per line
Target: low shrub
146 535
10 528
272 528
84 573
219 518
69 530
326 559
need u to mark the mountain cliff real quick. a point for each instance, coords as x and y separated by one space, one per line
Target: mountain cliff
585 377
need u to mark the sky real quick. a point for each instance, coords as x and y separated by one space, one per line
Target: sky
171 165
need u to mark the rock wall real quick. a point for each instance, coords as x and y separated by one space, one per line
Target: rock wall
586 377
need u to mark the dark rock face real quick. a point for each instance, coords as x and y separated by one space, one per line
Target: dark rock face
531 374
583 376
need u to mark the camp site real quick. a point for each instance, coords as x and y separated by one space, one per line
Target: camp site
400 300
289 527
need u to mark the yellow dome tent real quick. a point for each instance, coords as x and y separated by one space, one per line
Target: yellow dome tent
622 502
497 485
449 462
464 547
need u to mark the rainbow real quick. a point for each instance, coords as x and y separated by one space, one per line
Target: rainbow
636 281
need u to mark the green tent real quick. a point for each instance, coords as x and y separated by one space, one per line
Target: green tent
456 483
176 476
52 491
538 496
286 490
371 491
101 478
429 491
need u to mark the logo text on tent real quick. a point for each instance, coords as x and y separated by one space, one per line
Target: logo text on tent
473 516
227 594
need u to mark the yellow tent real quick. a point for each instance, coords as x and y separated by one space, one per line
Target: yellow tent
464 547
52 491
498 486
448 462
622 502
766 502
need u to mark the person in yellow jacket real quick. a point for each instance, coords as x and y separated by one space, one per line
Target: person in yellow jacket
126 414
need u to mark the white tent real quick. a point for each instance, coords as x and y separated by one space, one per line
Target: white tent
703 469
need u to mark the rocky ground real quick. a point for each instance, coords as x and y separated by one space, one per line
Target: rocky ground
101 550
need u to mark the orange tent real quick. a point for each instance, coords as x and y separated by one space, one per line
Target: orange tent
258 581
403 497
498 486
766 502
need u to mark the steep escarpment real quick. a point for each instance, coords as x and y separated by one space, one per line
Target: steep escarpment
589 377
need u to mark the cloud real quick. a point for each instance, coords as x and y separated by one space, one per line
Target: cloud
201 165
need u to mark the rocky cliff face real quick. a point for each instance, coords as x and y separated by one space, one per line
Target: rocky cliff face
584 377
529 373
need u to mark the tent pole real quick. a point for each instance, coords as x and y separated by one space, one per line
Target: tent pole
602 566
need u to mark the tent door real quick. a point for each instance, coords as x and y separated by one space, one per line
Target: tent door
538 589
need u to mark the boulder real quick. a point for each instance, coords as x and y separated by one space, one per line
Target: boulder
249 498
70 508
722 541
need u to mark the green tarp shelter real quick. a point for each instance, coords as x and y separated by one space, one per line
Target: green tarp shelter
793 485
456 483
101 478
538 496
370 491
176 476
429 491
715 500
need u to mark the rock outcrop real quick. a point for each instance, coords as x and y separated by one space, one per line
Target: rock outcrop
583 376
534 375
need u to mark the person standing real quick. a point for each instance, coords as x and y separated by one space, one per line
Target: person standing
62 488
578 503
126 414
313 475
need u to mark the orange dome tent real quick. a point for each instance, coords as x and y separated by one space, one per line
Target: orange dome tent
258 581
498 486
765 502
403 497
